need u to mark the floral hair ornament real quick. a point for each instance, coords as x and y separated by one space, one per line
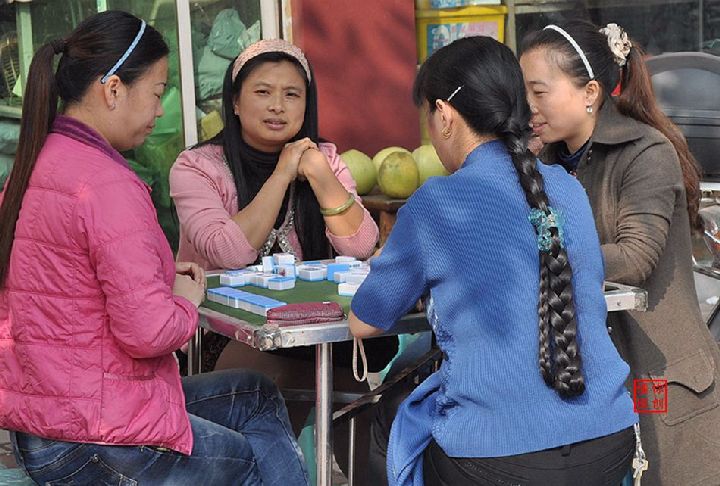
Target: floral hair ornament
618 41
270 45
544 221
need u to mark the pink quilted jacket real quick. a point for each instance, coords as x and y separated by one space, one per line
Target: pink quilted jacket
88 320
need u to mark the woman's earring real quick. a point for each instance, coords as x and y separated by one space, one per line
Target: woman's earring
445 132
589 108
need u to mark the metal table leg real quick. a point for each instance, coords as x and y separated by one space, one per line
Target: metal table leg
199 349
194 353
323 415
351 453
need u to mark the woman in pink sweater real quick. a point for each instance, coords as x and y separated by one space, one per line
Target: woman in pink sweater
266 184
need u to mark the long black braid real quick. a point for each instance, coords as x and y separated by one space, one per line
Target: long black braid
492 101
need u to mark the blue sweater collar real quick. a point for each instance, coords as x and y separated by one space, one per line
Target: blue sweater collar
492 150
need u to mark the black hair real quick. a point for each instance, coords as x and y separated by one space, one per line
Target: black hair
309 222
636 98
88 53
492 101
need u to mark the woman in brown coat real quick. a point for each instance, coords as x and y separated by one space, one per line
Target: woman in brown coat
643 187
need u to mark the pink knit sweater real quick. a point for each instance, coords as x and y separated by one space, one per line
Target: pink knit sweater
205 196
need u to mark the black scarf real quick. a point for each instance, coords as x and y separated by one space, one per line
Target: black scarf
257 167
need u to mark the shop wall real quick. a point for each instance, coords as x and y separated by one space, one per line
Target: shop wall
364 56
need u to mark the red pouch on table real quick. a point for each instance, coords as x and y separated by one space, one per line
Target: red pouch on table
305 313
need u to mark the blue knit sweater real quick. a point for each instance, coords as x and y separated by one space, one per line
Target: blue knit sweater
466 239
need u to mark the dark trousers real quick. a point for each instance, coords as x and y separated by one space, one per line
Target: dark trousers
598 462
602 461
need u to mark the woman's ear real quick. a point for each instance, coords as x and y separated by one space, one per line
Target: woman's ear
592 93
236 104
112 90
446 116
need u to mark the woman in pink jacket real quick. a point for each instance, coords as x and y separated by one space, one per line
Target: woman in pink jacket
265 184
92 304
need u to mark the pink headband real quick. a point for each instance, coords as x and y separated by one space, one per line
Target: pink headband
270 45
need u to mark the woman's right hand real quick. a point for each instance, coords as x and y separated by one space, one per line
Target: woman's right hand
192 290
287 165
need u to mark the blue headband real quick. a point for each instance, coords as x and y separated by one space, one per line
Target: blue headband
124 57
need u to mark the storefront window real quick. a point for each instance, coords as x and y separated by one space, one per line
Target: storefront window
658 25
661 26
220 30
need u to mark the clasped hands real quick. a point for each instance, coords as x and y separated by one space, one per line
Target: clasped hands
302 160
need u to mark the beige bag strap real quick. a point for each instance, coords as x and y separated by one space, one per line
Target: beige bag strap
358 344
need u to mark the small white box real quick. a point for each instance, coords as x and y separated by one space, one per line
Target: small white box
220 295
281 283
236 303
261 279
235 278
284 259
356 277
312 273
267 264
347 289
344 259
253 279
340 277
285 270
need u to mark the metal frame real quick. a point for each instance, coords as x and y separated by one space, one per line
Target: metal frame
187 72
625 297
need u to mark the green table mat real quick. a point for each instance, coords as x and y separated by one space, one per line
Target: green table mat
323 291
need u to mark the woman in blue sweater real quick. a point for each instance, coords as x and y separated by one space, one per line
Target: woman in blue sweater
531 389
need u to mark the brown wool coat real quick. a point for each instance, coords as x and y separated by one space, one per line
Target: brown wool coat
634 182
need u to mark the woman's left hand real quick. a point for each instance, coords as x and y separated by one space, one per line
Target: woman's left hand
192 270
313 164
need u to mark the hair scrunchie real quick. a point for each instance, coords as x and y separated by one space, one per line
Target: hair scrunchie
58 46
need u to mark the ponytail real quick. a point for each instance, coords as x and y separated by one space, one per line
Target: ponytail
39 109
559 354
637 100
88 53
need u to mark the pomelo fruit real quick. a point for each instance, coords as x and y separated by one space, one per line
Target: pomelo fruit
398 176
362 169
380 156
428 163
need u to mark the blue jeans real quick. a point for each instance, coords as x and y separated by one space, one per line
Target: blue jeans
241 432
